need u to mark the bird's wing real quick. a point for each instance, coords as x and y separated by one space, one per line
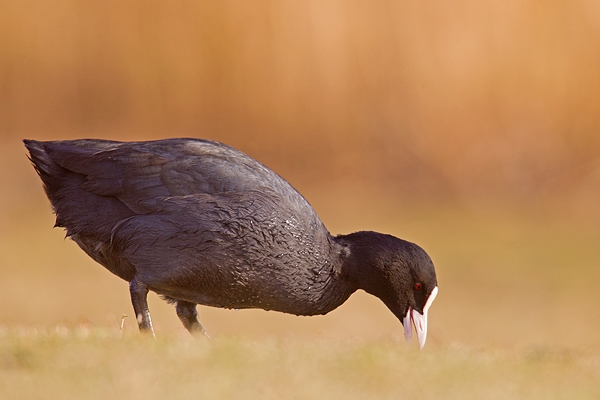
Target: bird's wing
140 173
230 246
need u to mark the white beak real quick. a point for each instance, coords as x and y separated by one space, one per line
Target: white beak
419 321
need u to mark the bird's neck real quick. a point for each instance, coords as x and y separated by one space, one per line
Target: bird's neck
359 264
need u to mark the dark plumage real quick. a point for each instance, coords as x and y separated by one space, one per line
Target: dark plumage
199 222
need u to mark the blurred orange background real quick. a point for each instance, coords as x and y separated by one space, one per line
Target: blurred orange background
500 98
367 107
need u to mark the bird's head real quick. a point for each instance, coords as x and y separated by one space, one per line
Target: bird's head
400 273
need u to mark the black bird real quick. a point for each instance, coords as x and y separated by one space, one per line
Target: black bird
199 222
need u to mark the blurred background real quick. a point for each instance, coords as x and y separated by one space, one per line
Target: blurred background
471 128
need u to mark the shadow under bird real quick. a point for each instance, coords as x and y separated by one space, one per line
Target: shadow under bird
199 222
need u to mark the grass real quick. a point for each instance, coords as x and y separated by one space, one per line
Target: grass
97 364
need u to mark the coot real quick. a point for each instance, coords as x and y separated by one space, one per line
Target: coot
199 222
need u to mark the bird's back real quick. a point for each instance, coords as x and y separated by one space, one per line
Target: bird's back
137 173
80 175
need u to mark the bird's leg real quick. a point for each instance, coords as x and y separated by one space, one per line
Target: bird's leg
139 293
188 315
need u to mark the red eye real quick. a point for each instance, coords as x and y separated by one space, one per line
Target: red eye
418 286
